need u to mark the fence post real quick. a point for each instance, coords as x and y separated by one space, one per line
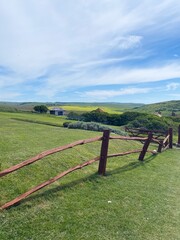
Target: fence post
170 131
160 147
104 152
179 135
145 147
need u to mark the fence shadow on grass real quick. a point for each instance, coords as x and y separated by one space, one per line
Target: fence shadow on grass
167 143
131 166
92 178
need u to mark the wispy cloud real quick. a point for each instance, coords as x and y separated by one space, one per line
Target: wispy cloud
175 95
106 94
115 75
8 96
86 43
172 86
125 43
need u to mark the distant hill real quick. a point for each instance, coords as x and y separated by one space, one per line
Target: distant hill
28 106
16 107
165 108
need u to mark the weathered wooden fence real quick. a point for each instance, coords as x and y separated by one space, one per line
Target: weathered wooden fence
178 136
162 145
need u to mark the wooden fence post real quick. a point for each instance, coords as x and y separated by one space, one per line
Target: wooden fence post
145 147
160 147
104 152
170 131
179 135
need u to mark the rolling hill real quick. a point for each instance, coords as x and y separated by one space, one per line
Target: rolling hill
166 108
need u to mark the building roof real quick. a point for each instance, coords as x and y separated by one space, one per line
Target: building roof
57 109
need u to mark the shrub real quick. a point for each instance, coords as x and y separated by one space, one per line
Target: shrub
73 116
41 109
91 126
66 124
111 119
149 122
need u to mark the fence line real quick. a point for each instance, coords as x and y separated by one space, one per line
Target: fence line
167 142
46 153
46 183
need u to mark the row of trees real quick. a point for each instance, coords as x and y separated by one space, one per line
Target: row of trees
131 119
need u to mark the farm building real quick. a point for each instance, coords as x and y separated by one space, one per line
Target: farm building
57 111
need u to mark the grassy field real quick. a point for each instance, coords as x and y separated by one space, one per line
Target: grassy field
47 119
134 200
79 107
82 109
165 108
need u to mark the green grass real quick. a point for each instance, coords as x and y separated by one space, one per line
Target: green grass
70 106
133 201
46 119
166 108
81 108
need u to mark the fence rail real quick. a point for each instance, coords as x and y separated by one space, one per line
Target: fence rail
162 144
140 131
46 153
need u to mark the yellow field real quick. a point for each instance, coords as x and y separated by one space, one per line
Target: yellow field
76 108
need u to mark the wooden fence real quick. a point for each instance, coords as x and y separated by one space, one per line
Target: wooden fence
163 143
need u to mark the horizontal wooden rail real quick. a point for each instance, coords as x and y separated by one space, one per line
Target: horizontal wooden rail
144 130
126 153
143 151
46 153
62 148
123 153
128 138
50 181
134 138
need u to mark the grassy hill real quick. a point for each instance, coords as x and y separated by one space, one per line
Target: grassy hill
134 200
165 108
77 107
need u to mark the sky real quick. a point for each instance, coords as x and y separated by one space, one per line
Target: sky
89 51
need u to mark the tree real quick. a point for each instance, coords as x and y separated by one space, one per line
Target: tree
74 116
41 109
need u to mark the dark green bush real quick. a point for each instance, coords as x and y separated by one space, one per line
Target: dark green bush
149 122
111 119
131 119
66 124
91 126
40 109
74 116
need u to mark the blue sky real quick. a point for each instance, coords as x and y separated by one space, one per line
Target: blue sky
89 50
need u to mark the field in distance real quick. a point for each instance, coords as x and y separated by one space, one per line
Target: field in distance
76 107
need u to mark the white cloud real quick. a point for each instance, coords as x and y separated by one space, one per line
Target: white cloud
36 34
8 81
84 77
172 86
7 95
79 38
126 42
175 95
105 94
137 75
